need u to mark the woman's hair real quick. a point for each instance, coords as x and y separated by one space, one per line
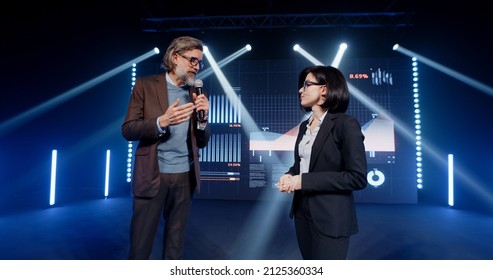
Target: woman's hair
180 45
337 98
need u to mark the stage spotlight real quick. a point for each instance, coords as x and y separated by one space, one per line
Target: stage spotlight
228 89
335 62
308 56
339 54
50 104
480 86
207 72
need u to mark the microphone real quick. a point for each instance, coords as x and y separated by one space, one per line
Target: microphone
198 84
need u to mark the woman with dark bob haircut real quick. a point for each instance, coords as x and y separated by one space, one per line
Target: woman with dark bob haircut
329 164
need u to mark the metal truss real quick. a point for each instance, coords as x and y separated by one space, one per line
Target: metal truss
286 21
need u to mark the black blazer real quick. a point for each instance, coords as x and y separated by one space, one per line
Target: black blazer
337 168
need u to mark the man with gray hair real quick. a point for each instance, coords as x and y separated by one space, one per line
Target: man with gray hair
163 117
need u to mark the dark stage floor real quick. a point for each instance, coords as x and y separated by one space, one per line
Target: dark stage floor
239 230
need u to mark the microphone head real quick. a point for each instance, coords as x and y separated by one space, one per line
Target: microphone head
198 83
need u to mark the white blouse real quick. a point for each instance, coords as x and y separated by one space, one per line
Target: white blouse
306 143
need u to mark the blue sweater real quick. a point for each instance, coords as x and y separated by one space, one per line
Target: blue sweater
173 153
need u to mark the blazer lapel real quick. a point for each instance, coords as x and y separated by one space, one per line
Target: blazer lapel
322 135
161 86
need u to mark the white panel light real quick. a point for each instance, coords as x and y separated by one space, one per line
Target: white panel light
53 177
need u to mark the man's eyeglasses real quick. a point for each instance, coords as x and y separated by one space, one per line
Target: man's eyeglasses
193 61
307 84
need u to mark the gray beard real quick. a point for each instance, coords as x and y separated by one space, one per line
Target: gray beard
186 77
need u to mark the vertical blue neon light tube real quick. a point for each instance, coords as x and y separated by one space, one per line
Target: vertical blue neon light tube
53 177
107 174
451 180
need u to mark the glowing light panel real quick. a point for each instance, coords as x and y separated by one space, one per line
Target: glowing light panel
107 174
451 180
53 177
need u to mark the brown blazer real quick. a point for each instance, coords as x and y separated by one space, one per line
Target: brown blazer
148 101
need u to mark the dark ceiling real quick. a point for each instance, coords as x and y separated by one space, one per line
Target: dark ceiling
422 11
167 8
48 32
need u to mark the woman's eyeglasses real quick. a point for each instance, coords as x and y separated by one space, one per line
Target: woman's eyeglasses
193 61
307 84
